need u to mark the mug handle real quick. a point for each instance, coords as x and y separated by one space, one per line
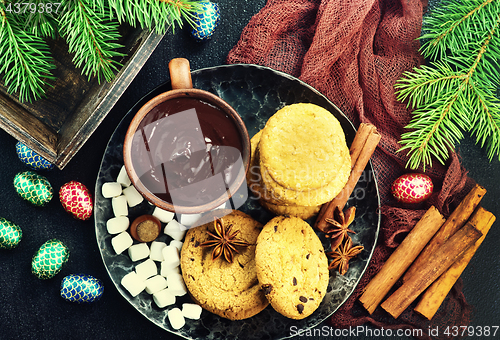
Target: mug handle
180 74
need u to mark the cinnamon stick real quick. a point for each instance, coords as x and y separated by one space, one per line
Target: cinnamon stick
401 259
434 296
437 264
364 131
457 220
362 148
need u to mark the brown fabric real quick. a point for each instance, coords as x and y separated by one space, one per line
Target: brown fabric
353 51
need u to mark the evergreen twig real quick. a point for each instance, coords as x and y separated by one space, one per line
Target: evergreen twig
154 15
25 59
38 21
456 93
90 27
91 37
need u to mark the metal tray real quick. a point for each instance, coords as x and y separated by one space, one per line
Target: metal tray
255 92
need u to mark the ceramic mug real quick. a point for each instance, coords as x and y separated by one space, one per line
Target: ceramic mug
187 150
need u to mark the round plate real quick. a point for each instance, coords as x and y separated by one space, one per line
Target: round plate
256 93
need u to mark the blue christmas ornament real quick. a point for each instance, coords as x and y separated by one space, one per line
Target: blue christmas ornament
31 158
206 20
81 288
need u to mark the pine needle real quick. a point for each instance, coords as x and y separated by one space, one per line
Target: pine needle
39 18
89 27
25 59
92 38
155 15
456 93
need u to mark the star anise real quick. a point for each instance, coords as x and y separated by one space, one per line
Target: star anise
342 255
338 229
224 241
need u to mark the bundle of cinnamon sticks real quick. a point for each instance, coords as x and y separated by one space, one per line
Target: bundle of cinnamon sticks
430 259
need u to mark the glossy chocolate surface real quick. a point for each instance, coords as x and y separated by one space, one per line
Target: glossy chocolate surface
187 151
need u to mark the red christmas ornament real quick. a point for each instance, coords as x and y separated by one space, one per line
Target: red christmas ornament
412 188
76 199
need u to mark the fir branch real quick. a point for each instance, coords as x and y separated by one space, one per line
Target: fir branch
39 21
486 125
436 124
25 59
44 26
457 93
91 37
450 24
90 29
155 14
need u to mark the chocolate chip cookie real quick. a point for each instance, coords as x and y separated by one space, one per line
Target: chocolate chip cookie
292 267
230 290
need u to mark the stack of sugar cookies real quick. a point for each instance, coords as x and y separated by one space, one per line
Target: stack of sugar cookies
299 161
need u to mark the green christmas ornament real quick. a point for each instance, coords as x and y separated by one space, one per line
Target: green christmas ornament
33 187
49 259
10 234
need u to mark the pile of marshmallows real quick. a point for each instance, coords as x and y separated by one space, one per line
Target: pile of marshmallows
168 283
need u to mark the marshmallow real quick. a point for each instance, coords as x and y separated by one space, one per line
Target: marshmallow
189 219
191 311
155 284
165 269
176 284
133 196
121 242
138 251
163 298
176 318
133 283
163 215
146 269
156 251
111 189
177 244
171 258
116 225
175 230
119 205
123 178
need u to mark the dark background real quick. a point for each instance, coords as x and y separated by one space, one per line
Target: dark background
32 309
